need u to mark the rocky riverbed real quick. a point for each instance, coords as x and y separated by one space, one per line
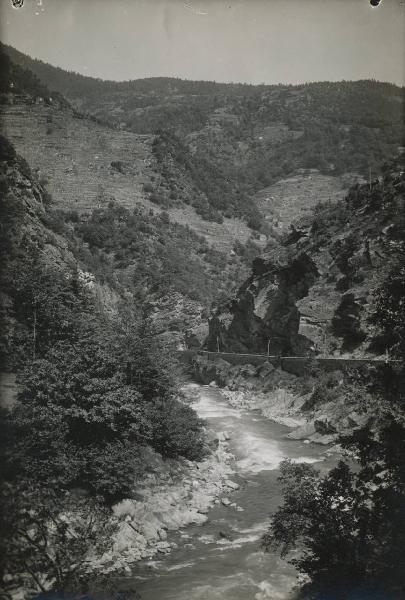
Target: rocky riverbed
182 497
171 497
223 558
319 408
321 426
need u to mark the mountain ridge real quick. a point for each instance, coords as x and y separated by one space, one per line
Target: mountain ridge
214 151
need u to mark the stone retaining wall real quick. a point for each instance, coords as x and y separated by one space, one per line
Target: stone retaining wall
292 364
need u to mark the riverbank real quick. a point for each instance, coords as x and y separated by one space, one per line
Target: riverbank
284 407
223 559
174 495
320 407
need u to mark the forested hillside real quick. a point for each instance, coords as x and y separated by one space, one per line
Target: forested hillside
97 399
157 262
217 145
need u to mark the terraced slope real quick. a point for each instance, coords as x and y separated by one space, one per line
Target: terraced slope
86 165
75 155
289 199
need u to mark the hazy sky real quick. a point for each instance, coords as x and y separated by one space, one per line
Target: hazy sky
252 41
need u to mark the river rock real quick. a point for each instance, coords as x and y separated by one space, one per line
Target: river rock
324 426
231 484
357 420
127 538
203 511
163 547
265 370
225 501
223 436
302 432
324 440
223 535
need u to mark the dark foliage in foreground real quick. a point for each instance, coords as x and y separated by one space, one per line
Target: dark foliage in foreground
91 389
345 531
348 526
98 400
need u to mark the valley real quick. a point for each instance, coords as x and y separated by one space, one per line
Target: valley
148 217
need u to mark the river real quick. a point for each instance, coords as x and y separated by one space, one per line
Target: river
222 559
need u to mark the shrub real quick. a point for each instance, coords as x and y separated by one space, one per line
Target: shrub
46 539
113 470
389 312
176 430
348 524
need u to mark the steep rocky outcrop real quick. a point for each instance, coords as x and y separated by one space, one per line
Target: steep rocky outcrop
264 315
314 293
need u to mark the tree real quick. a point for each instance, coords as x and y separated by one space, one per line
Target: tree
149 361
75 412
47 302
389 312
50 542
176 430
348 526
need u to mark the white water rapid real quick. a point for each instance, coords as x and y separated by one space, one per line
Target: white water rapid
223 559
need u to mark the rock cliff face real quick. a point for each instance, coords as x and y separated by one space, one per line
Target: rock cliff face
313 294
264 315
25 230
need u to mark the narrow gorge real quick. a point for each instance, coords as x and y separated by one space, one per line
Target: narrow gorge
202 338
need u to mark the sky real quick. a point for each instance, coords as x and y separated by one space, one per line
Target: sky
250 41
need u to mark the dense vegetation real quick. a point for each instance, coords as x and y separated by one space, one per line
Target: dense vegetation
161 264
344 531
214 192
159 256
98 394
